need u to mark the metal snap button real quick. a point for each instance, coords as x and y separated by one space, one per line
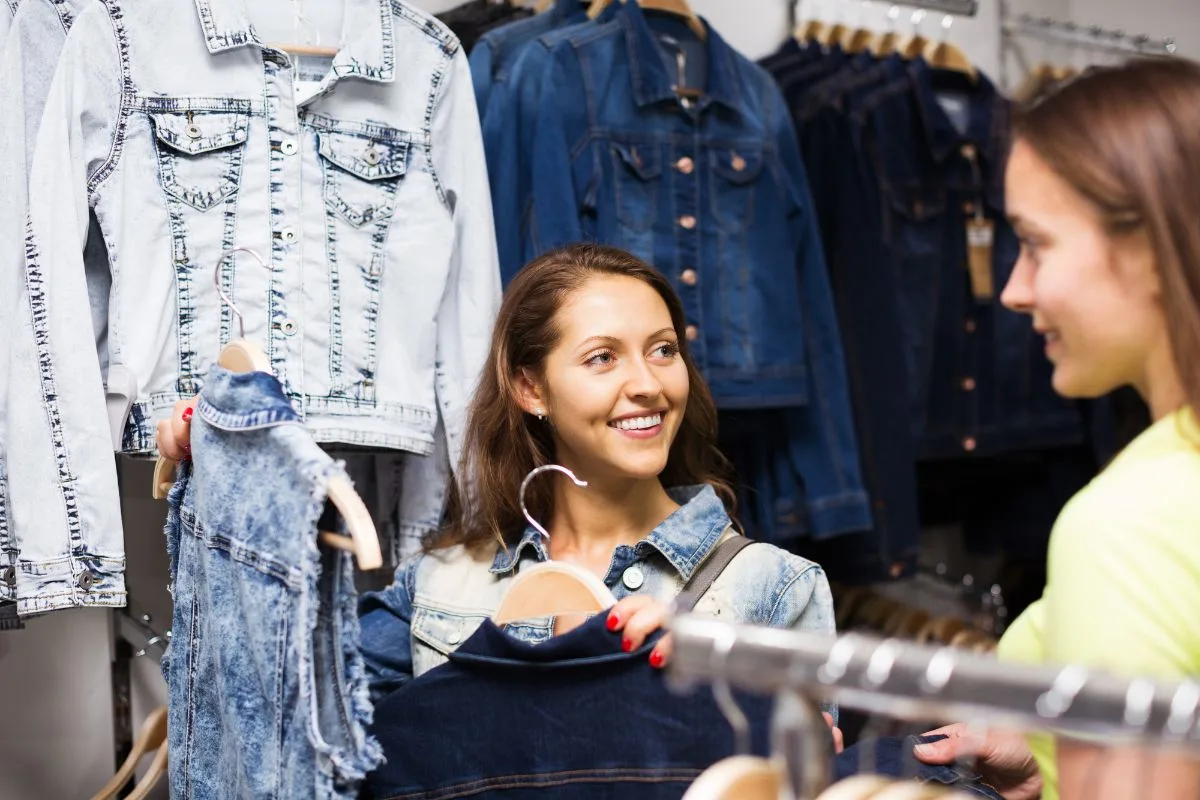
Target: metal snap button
738 163
687 222
289 327
193 131
85 580
689 277
288 235
969 443
372 156
289 147
685 165
455 637
10 576
968 384
633 578
692 333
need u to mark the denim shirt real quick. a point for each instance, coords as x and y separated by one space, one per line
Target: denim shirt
439 599
182 132
713 194
980 380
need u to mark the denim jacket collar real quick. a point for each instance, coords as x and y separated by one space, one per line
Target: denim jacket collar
943 137
684 538
367 51
653 83
242 401
567 12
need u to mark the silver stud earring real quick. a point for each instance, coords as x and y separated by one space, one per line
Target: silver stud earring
541 414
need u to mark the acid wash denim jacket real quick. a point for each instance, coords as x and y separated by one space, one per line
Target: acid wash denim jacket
439 599
182 132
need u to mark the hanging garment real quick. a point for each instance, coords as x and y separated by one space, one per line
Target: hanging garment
893 757
370 199
474 18
266 689
573 717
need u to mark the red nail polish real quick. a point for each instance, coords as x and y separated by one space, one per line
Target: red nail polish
626 645
187 414
614 622
656 659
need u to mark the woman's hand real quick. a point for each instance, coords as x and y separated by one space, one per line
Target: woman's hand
174 435
636 617
1003 758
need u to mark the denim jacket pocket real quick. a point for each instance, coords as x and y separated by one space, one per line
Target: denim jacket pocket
916 213
735 176
361 173
638 168
437 632
200 154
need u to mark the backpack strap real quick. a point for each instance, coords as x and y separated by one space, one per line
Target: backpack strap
709 570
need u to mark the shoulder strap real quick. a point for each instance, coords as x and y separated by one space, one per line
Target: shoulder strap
708 572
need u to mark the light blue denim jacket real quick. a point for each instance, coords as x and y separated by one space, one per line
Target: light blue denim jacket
439 599
181 131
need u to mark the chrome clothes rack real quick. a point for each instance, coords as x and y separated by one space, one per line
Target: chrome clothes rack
957 8
914 682
1091 37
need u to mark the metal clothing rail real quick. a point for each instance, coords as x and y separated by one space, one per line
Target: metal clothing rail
1092 37
915 682
957 8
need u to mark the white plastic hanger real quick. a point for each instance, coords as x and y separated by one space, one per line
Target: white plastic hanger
243 355
741 776
551 588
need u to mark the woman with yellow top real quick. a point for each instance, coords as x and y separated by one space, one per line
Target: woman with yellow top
1103 189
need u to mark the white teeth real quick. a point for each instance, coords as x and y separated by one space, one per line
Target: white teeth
638 423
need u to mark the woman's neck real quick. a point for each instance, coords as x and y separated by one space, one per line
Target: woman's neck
589 523
1160 387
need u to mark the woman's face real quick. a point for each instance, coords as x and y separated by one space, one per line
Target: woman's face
615 387
1094 298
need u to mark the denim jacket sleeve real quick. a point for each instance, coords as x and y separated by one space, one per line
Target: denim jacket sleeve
472 295
386 620
67 527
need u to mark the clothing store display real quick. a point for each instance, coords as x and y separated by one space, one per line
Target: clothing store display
1122 568
615 728
473 19
440 598
266 688
894 758
377 329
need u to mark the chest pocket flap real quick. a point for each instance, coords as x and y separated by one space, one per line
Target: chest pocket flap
642 160
444 630
738 165
196 132
367 158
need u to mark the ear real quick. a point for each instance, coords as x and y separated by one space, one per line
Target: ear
530 395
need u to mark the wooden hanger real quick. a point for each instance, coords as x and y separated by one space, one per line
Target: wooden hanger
243 355
680 8
862 40
152 738
834 36
305 49
551 588
944 55
812 31
738 778
858 787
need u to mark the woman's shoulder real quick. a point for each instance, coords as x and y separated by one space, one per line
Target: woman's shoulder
458 576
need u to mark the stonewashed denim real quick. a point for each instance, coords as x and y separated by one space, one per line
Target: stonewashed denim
181 132
267 696
714 195
572 718
893 756
439 599
41 566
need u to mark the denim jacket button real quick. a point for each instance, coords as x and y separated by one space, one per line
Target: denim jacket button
289 327
633 578
692 333
10 576
193 131
288 235
969 443
685 165
968 384
288 147
687 222
85 580
454 638
372 156
738 163
969 326
689 277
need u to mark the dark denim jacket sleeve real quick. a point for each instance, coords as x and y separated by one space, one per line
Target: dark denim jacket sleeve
386 620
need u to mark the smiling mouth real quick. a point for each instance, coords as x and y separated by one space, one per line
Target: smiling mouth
634 424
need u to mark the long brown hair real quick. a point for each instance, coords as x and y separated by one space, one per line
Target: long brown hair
503 443
1127 138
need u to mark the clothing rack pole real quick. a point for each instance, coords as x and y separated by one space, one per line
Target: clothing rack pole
1090 36
957 8
915 682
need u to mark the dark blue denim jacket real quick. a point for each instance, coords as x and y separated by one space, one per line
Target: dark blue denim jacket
980 380
711 195
573 717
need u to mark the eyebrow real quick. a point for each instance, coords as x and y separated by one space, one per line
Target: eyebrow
594 341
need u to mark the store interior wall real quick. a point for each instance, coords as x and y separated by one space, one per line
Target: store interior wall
55 676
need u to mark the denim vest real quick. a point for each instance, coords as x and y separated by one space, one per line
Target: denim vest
439 599
266 690
184 135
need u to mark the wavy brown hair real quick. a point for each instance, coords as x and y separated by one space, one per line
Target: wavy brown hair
1127 138
503 443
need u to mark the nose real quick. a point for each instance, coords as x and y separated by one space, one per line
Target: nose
642 383
1018 293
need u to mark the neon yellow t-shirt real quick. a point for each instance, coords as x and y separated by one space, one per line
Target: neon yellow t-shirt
1123 576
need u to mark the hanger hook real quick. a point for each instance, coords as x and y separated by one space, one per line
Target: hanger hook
226 299
947 23
533 473
725 640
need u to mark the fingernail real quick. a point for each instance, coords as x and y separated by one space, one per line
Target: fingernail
187 447
627 644
614 622
187 414
656 659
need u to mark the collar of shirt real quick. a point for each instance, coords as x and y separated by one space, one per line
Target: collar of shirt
684 538
986 122
366 50
589 644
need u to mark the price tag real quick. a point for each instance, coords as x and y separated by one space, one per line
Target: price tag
981 233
